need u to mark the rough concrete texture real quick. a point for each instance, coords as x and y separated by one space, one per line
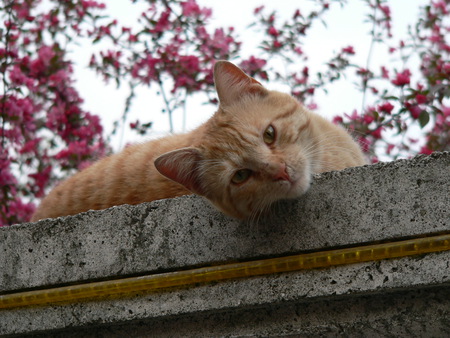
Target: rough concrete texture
339 284
378 202
414 313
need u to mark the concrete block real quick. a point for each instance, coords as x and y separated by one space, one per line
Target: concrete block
379 202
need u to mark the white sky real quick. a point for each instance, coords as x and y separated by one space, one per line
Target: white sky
345 26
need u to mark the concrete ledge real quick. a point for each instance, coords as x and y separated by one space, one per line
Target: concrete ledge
358 205
413 313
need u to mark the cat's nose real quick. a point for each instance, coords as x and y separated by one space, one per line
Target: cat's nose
281 173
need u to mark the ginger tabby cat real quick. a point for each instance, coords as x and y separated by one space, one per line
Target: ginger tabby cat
259 147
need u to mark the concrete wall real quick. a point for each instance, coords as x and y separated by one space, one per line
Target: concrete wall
404 297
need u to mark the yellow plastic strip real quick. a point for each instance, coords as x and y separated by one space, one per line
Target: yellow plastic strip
133 285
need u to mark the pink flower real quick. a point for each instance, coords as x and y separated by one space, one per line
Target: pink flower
16 212
146 69
377 133
19 78
273 31
389 148
446 111
446 67
348 50
426 150
441 5
386 107
298 50
39 66
191 8
60 78
45 54
305 71
414 110
402 78
384 73
92 4
6 177
354 116
163 23
132 38
253 64
386 10
368 119
41 179
312 106
363 71
30 146
420 99
76 150
258 9
338 120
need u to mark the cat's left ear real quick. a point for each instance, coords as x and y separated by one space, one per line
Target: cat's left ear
182 166
232 83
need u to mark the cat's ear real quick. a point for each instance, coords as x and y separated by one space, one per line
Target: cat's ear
232 83
182 166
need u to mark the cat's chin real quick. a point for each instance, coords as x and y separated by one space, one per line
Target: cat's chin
298 187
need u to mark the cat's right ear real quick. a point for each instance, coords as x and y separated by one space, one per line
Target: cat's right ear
232 83
182 166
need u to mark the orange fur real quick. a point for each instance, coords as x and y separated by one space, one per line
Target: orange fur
206 160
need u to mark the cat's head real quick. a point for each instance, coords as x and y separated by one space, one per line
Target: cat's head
252 152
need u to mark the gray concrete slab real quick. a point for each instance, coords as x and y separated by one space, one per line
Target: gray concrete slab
377 202
357 205
338 283
410 314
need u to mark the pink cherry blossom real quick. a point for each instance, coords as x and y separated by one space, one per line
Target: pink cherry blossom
273 31
377 133
191 8
425 150
386 107
402 78
348 50
258 9
414 110
420 99
253 66
384 73
338 120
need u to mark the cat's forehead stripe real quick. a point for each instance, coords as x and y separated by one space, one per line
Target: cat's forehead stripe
288 113
239 136
232 127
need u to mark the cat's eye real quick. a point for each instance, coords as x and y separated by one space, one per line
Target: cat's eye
269 135
241 176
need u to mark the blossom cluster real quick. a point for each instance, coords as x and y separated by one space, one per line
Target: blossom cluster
44 130
384 126
176 51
